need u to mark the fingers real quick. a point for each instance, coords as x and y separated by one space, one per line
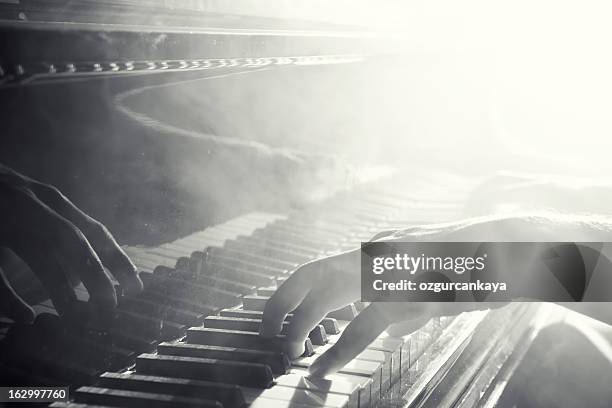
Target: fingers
285 299
12 305
45 234
77 257
309 313
110 253
52 276
362 331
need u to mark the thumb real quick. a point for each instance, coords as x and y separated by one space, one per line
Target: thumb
12 305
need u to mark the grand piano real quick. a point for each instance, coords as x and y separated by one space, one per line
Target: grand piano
183 129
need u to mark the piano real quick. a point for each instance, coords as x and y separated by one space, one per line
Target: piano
190 339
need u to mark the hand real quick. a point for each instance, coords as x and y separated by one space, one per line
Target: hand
62 245
321 286
312 291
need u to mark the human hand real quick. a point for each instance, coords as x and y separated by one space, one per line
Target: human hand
62 246
324 285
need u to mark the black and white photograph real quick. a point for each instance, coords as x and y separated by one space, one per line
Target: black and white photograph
302 204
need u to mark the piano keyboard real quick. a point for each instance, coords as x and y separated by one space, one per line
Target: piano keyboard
190 339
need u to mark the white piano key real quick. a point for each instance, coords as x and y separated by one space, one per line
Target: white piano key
295 396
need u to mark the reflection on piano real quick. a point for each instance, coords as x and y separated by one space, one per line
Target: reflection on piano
190 339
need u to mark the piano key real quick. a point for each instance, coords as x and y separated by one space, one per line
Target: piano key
277 361
183 263
163 311
243 275
158 328
192 304
371 369
237 255
398 349
213 281
321 385
138 399
258 303
317 335
240 339
131 321
181 287
255 302
227 394
348 312
284 254
271 403
294 397
258 268
364 384
225 371
330 325
310 251
132 341
292 239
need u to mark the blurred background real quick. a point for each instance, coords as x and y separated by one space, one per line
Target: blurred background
473 87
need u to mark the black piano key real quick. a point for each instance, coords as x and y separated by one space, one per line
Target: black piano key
138 323
240 339
191 289
138 399
317 335
288 238
258 303
243 274
132 341
268 251
330 325
239 256
212 281
227 394
348 312
191 304
154 326
277 361
154 308
232 372
255 302
183 263
308 251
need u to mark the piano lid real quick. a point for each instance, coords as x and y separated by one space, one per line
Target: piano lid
50 40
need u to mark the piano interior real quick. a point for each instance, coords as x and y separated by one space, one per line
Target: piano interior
224 147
